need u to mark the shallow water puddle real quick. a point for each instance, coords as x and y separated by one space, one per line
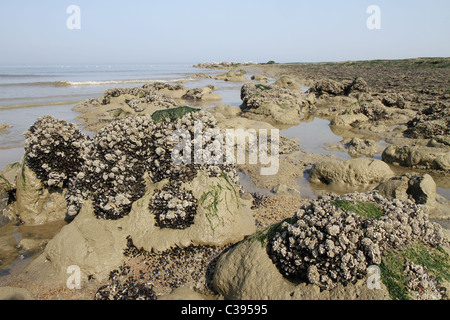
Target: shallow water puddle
14 254
313 134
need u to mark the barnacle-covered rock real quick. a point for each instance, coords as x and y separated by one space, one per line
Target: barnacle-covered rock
55 149
342 244
113 174
173 208
278 104
330 243
55 152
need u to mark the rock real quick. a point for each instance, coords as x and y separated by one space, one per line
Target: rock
233 76
36 204
279 105
430 122
418 157
260 78
350 173
324 251
4 128
375 111
13 293
287 83
245 272
327 86
129 188
395 187
97 245
32 244
202 94
283 189
228 111
394 100
183 293
357 147
346 120
335 88
423 189
94 245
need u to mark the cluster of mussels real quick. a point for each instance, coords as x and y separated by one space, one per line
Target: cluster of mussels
123 286
422 283
173 207
324 244
112 175
109 169
192 266
54 150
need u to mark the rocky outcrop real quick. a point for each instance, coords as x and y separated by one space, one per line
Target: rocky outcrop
97 245
202 94
335 88
430 122
325 251
260 78
275 104
350 173
233 76
36 203
357 147
287 83
130 188
221 65
4 128
419 188
418 157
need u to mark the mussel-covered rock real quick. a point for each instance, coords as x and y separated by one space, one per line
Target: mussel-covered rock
55 150
173 208
112 175
328 250
330 242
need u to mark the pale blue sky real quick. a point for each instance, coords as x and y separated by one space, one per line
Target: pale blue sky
137 31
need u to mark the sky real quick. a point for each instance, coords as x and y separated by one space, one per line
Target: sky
156 31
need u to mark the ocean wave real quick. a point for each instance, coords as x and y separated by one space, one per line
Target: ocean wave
86 83
38 104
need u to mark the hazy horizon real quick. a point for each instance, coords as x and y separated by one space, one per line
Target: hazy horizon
153 32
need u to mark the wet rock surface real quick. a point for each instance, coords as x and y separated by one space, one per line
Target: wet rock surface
4 128
275 103
430 122
355 172
418 157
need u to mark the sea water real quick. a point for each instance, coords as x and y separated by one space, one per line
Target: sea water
31 91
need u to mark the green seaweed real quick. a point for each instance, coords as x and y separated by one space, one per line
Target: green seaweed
263 236
231 188
393 276
172 113
393 264
117 113
210 201
8 185
363 209
23 176
262 87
